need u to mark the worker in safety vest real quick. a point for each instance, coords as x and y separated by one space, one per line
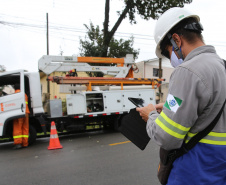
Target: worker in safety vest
21 126
197 91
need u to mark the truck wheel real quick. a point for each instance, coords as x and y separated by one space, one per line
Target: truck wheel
112 123
32 135
116 123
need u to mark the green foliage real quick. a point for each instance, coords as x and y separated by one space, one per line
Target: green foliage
93 44
119 48
151 8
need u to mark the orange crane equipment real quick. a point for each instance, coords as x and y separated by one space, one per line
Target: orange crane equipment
122 67
95 81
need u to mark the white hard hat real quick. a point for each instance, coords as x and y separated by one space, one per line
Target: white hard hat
167 21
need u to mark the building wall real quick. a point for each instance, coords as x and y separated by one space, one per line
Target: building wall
146 71
140 73
54 88
58 91
146 68
166 72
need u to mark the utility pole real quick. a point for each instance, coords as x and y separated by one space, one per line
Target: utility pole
47 32
47 40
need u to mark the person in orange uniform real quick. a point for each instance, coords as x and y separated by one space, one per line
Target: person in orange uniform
21 126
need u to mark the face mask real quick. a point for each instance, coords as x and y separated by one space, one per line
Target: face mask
174 59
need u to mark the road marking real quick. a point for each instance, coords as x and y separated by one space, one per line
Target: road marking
119 143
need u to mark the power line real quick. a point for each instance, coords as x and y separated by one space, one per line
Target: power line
53 34
55 28
16 17
74 28
62 28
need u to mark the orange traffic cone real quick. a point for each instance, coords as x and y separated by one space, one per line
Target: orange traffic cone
54 142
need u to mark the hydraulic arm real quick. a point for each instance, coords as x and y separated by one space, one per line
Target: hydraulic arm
121 69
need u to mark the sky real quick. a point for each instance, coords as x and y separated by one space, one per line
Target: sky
23 28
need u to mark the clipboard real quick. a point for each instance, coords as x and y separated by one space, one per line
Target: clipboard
133 127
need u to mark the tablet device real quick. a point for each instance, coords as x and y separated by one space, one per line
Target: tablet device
133 127
139 102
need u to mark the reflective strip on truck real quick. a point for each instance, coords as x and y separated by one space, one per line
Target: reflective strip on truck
2 108
103 114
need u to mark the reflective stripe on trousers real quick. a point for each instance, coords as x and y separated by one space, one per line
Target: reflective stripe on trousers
21 136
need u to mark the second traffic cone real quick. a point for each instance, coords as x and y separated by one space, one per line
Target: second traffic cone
54 142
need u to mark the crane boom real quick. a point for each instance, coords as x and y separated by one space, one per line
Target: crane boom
49 64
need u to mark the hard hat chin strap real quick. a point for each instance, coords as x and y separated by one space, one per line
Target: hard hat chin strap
176 48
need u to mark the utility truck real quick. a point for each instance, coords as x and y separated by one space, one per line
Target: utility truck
93 100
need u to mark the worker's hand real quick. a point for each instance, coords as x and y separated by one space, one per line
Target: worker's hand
159 107
145 111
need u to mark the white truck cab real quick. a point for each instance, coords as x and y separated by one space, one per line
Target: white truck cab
13 104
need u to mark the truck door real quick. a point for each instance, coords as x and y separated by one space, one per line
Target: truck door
12 104
113 101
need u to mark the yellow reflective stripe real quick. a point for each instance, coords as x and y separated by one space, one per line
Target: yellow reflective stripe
26 102
20 136
25 136
215 134
174 123
16 137
171 127
191 134
169 131
213 138
212 142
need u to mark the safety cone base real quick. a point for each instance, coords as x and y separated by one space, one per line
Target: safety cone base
56 147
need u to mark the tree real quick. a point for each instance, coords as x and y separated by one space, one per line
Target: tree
145 8
93 44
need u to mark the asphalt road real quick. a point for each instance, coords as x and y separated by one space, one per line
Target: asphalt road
86 159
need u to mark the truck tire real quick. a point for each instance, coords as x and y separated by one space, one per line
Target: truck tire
32 135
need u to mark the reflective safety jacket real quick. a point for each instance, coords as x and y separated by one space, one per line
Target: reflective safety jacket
197 91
